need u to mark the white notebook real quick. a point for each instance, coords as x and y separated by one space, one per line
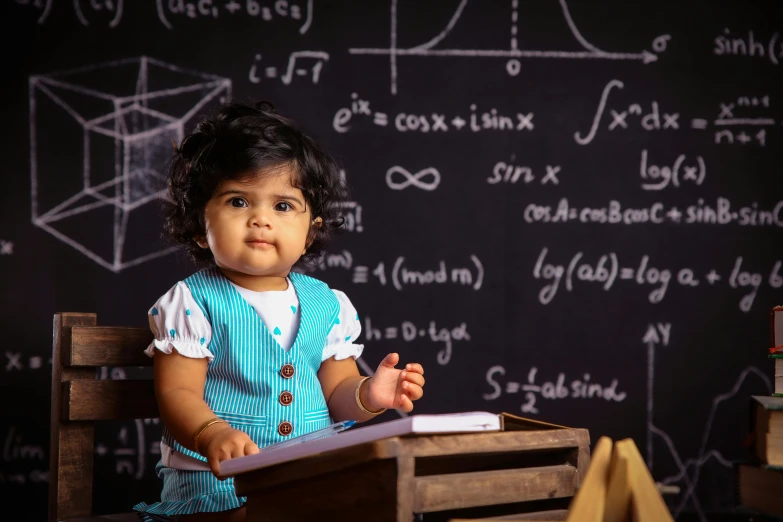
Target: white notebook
420 424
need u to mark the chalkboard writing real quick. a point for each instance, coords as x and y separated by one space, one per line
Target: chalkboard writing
566 210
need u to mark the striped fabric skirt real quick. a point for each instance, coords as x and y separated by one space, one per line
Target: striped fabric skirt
186 492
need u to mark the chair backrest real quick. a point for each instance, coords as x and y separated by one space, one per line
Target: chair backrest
79 399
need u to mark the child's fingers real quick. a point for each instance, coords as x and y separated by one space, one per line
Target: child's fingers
415 368
214 465
415 378
251 448
412 391
405 403
391 360
236 448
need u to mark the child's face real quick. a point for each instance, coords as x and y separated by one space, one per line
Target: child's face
257 229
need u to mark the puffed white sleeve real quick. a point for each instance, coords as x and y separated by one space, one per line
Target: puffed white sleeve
341 340
177 322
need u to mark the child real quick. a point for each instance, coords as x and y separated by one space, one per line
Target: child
247 352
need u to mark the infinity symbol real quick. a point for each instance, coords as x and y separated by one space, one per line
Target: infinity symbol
413 179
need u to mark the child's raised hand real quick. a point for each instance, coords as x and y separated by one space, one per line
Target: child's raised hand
393 388
225 444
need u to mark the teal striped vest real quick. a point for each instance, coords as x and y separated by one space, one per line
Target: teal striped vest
245 385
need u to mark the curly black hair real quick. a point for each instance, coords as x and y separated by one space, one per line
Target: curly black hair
241 141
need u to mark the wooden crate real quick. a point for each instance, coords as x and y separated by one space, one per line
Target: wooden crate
506 474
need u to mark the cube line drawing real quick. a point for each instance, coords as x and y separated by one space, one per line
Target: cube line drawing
101 137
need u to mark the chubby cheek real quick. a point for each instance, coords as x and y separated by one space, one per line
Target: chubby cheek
221 237
217 237
210 237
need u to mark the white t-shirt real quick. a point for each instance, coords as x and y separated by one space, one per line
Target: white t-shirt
279 310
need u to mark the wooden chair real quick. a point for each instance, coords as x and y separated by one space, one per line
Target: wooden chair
79 399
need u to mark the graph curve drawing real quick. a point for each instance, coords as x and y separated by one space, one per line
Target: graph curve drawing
689 471
124 116
513 54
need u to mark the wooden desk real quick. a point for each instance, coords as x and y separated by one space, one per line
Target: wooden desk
434 477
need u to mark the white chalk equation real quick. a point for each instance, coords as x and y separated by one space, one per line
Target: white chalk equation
15 448
130 456
513 55
110 12
351 212
18 361
400 275
429 178
652 117
19 456
658 177
743 121
510 173
658 333
476 119
300 13
86 11
35 476
722 212
750 45
409 332
559 388
398 178
648 117
301 64
608 269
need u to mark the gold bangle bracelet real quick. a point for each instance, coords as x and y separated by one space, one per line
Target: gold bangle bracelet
359 400
201 430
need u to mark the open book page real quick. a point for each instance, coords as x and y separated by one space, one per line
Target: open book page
415 424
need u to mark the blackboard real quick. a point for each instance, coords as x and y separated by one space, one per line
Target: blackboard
566 210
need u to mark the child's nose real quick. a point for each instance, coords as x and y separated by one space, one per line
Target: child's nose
260 217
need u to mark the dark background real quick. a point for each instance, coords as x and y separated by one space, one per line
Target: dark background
696 378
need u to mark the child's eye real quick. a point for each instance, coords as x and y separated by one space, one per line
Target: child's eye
237 202
284 206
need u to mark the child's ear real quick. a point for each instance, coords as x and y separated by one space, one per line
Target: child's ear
317 222
201 241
